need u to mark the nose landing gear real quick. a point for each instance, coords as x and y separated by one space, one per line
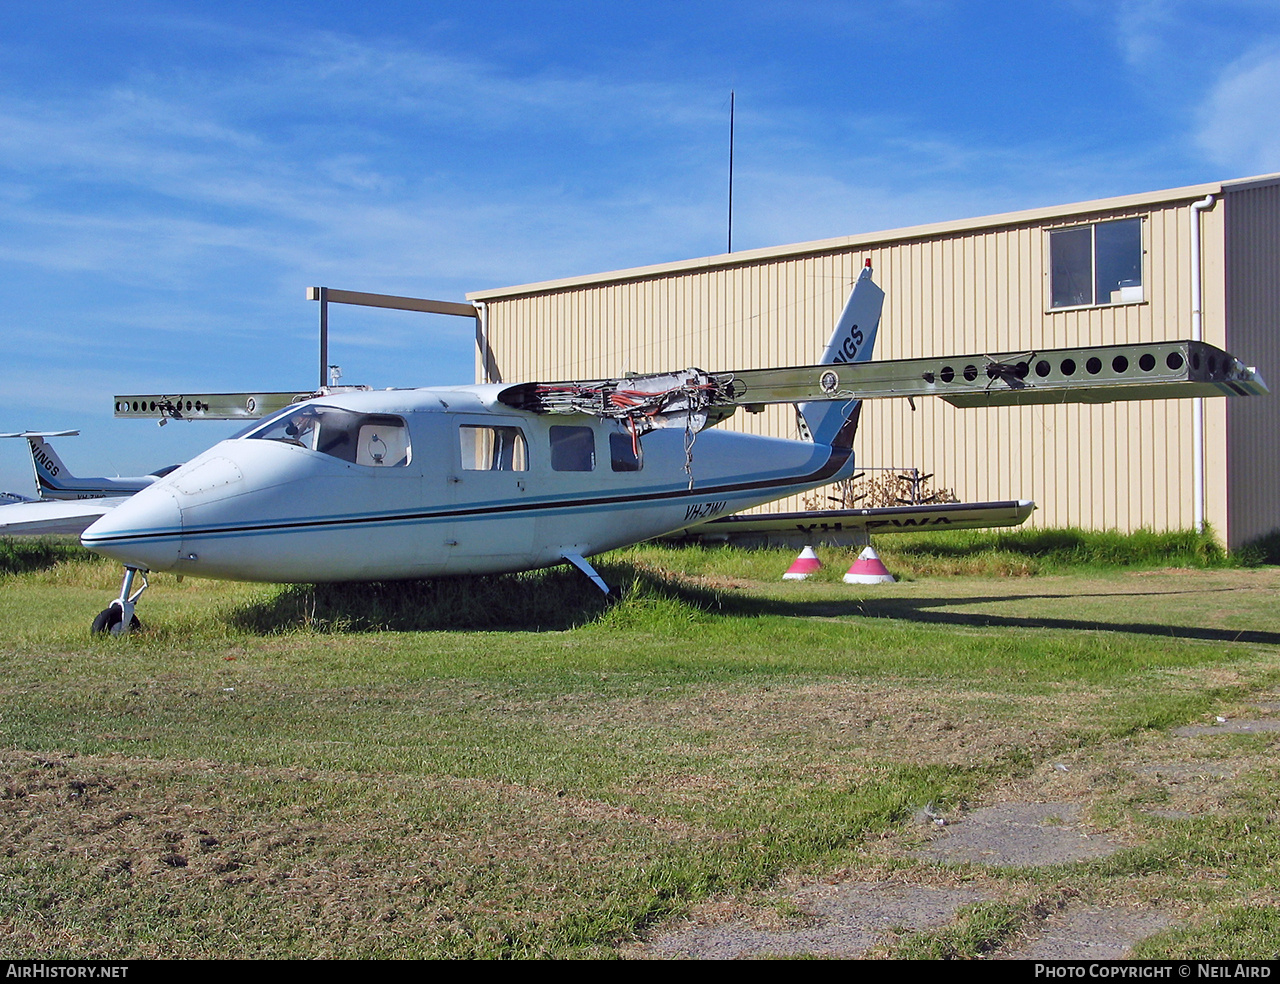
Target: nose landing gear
119 619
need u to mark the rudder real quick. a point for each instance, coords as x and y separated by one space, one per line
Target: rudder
833 422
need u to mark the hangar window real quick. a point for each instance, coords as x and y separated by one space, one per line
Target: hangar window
1095 264
493 448
573 449
375 439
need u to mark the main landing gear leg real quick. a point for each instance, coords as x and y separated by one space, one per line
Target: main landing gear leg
119 619
579 562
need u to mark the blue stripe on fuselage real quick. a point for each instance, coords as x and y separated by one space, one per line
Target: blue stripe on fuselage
547 506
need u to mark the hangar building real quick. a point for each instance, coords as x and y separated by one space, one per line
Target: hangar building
1134 268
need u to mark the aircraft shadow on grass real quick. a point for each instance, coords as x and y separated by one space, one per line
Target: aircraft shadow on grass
557 599
548 600
929 611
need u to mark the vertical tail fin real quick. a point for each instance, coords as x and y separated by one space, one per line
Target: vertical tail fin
50 472
55 481
831 421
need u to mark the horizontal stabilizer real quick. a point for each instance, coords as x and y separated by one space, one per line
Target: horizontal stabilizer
852 526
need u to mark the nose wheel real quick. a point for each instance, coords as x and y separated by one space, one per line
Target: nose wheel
118 618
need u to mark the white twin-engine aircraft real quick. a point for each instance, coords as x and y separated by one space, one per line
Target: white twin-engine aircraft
419 483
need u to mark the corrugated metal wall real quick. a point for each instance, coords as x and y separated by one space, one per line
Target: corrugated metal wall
956 291
1253 303
1121 466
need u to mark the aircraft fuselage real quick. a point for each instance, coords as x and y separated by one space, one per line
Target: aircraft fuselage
430 482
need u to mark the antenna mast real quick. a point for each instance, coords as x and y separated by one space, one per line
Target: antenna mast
731 101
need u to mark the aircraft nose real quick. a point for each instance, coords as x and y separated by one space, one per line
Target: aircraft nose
143 531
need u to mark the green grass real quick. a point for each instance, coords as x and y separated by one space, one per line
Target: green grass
514 767
981 929
23 554
1036 551
1020 552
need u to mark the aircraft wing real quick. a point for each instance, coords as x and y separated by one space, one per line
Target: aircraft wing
847 527
1092 374
206 406
52 516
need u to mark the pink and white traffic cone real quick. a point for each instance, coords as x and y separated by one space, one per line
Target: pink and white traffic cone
804 565
869 569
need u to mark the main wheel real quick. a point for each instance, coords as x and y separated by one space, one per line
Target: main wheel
110 620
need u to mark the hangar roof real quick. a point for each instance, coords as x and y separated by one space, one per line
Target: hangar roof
863 240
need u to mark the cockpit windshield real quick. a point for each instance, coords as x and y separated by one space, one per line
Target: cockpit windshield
377 439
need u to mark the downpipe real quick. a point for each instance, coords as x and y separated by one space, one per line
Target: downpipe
1197 334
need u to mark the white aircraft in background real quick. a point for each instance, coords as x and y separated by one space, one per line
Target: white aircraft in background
420 483
54 479
66 503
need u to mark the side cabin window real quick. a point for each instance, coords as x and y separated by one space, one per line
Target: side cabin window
493 448
1096 264
378 440
573 448
624 452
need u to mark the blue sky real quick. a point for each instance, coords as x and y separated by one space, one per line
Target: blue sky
174 175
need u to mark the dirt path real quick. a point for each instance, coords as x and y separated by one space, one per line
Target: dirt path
978 857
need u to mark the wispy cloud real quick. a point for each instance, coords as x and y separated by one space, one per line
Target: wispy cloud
1210 69
173 161
1144 28
1239 121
